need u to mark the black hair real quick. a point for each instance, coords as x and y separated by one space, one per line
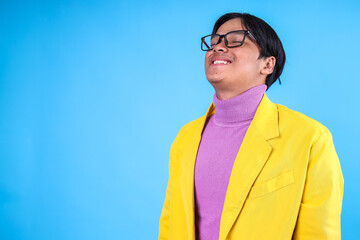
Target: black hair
265 36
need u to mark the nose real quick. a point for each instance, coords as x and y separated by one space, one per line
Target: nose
221 45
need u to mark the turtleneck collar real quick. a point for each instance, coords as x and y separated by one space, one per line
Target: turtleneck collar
240 108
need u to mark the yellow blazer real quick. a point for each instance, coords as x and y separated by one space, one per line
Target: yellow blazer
286 182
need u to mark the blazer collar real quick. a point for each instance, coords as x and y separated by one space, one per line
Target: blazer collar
251 158
265 118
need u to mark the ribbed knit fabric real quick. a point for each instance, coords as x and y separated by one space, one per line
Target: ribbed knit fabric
220 143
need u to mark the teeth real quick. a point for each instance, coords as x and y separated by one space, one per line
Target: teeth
221 62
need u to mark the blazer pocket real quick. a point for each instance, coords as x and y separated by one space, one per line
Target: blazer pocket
272 185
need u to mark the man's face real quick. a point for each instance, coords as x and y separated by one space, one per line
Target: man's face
243 71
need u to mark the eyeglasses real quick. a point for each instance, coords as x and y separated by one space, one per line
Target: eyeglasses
232 39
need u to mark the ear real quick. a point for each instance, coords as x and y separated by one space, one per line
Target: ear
268 65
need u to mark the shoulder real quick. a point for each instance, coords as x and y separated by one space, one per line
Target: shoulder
188 131
298 124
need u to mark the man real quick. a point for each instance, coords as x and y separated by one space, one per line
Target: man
249 168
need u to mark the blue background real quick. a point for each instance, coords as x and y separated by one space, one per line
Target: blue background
93 93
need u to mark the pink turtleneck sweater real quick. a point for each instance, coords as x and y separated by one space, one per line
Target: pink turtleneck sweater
220 142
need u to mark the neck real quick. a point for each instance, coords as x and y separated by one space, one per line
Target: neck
225 94
239 108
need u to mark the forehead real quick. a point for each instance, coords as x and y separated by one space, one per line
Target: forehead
231 25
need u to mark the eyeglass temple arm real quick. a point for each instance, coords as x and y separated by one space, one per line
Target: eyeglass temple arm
251 35
205 43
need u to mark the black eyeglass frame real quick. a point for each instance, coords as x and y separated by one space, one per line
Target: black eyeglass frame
246 32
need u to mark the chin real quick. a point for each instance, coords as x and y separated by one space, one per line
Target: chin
215 82
214 78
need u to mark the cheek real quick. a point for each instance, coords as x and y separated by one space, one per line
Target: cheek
246 60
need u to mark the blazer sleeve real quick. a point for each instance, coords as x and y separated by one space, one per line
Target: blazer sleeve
165 214
320 208
164 225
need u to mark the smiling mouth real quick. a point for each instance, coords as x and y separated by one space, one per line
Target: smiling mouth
220 62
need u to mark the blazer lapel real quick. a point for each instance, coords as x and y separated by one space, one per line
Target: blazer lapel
187 165
251 158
